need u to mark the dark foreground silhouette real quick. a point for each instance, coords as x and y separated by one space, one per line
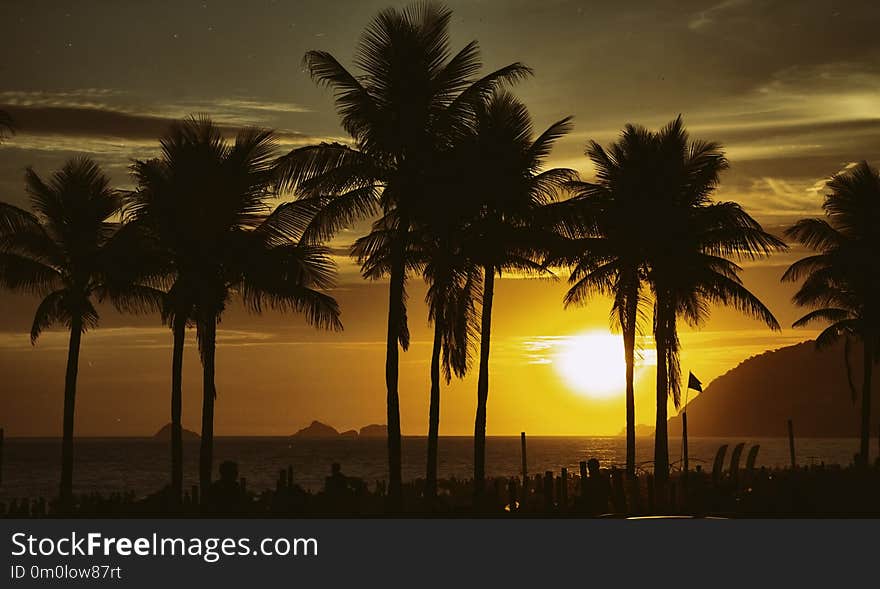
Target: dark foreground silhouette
813 491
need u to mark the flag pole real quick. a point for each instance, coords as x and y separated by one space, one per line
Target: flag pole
684 436
693 383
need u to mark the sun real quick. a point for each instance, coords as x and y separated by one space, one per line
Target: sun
593 364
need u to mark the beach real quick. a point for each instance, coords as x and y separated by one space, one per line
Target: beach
140 465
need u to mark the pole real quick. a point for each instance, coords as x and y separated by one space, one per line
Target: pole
525 468
563 492
684 441
791 443
685 460
684 435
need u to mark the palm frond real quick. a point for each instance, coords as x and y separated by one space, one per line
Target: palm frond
353 102
325 169
730 292
543 145
132 298
51 310
805 266
341 211
816 234
7 125
14 219
829 315
22 274
830 334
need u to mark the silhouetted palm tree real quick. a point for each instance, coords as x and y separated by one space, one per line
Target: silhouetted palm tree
843 278
412 98
207 204
156 212
454 287
689 268
435 252
608 246
502 169
67 252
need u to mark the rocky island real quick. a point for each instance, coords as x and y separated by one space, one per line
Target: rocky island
165 434
321 431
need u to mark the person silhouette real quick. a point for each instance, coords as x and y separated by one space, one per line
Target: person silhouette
597 488
336 485
225 495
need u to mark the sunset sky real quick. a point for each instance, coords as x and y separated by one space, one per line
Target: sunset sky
791 88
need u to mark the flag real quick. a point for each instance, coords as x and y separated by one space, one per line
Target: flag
693 383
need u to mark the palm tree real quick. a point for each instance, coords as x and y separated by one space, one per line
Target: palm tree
454 287
607 246
454 284
67 252
689 268
502 169
207 203
453 290
412 98
842 279
156 213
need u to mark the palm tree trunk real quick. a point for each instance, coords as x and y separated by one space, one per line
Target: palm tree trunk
661 442
866 402
483 383
177 410
392 359
434 415
66 487
209 392
629 345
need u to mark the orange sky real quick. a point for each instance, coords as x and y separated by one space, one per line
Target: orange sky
275 374
789 88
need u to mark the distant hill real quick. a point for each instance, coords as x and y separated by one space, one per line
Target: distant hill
374 431
321 431
798 382
643 430
165 434
317 430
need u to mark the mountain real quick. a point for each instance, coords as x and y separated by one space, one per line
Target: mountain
374 431
165 434
643 430
757 397
321 431
317 430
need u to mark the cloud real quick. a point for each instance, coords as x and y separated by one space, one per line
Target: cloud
785 134
112 99
705 18
714 349
103 120
85 121
256 105
97 121
79 98
141 338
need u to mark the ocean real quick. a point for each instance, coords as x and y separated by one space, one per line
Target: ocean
141 465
